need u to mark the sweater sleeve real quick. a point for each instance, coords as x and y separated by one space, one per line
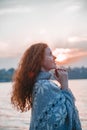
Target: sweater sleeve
49 109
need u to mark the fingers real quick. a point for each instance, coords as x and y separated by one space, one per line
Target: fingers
56 73
62 68
60 71
56 77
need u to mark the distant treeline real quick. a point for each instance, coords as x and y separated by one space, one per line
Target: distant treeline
74 73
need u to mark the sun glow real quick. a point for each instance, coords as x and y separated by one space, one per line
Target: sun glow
66 56
61 57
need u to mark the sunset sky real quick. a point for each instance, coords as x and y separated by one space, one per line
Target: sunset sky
60 23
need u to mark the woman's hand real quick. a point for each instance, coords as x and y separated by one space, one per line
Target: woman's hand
61 76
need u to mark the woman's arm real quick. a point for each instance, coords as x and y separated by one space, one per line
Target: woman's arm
49 107
61 75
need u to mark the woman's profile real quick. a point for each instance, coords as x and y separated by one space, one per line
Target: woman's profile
52 107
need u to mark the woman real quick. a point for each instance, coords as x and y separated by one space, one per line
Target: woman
52 107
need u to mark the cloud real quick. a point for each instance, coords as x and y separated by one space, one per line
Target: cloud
78 42
9 50
20 9
73 8
68 56
77 39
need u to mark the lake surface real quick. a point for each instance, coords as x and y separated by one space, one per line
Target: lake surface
10 119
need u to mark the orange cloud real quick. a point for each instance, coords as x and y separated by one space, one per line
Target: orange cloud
67 56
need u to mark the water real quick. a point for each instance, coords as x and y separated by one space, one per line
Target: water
10 119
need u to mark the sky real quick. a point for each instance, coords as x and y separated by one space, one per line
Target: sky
62 24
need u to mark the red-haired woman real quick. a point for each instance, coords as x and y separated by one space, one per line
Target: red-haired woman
52 107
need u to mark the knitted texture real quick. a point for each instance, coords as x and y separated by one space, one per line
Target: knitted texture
53 108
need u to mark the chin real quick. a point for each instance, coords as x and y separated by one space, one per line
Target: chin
53 67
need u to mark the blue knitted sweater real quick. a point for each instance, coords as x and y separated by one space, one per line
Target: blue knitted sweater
53 108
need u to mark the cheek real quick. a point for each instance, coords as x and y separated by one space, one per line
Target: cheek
49 61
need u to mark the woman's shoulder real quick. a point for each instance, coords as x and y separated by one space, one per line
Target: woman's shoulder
46 82
47 85
42 83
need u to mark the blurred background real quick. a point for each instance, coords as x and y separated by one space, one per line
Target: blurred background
62 24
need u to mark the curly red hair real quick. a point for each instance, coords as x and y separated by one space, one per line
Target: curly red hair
25 75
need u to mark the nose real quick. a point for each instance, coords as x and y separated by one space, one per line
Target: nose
54 57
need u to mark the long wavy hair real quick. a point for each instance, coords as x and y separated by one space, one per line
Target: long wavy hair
25 75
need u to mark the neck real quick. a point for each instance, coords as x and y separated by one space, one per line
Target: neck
44 70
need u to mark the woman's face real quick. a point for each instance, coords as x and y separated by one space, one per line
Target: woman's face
48 61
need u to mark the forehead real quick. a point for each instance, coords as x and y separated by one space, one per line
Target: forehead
47 50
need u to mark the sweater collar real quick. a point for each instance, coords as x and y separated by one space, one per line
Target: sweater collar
43 75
